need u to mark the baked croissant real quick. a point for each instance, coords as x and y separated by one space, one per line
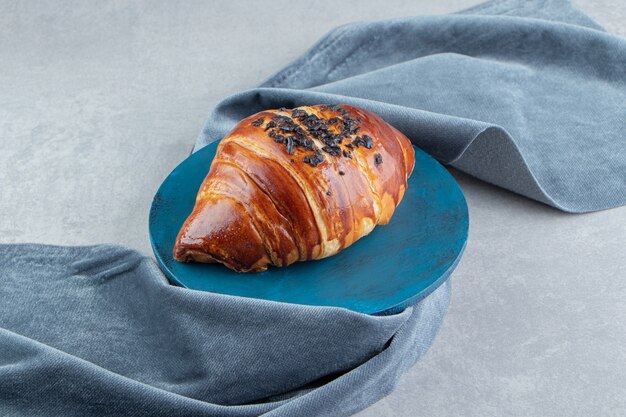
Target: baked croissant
296 185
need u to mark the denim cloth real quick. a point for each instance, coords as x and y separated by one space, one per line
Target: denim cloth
528 95
98 331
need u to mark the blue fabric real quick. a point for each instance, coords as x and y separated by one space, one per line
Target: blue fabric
98 331
528 95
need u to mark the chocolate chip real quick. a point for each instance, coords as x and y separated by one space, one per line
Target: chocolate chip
358 141
331 140
258 122
342 173
314 123
315 159
364 140
282 119
299 114
328 193
333 150
378 159
369 142
304 142
287 126
290 145
278 138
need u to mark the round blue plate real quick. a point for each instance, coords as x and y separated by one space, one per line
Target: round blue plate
394 266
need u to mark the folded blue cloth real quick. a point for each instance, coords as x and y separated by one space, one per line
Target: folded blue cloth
98 331
528 95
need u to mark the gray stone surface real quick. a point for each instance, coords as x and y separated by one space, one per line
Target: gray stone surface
99 101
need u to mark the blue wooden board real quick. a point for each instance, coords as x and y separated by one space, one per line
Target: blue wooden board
382 273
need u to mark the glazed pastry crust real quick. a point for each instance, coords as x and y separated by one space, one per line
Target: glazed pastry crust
296 185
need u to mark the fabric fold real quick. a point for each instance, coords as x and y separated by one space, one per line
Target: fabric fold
527 95
99 331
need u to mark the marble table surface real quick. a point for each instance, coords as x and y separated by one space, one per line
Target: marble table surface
99 101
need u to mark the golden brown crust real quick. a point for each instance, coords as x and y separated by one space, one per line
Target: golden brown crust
295 185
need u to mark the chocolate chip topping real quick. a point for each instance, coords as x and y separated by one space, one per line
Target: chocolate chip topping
338 133
333 150
290 145
315 159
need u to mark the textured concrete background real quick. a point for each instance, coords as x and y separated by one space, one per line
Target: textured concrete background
99 101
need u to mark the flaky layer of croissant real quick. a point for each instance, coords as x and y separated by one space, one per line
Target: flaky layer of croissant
296 185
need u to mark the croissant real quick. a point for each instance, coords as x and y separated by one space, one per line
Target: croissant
296 185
